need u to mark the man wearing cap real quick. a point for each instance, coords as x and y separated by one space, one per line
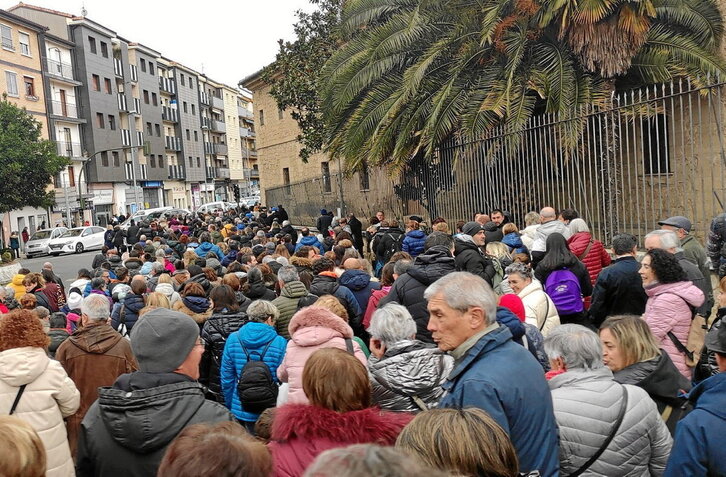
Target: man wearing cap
127 430
698 448
692 250
468 255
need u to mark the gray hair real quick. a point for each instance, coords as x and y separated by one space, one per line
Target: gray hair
44 312
364 460
532 218
462 290
158 268
285 223
577 346
260 310
95 307
391 324
159 253
521 269
668 239
288 273
578 225
401 266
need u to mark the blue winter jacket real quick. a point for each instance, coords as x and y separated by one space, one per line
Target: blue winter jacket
359 282
131 307
206 247
514 242
310 241
698 448
254 336
505 380
229 258
413 243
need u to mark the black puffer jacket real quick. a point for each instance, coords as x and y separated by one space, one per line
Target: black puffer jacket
128 312
214 334
470 258
258 291
202 280
409 289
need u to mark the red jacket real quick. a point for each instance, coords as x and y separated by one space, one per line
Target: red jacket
595 260
301 432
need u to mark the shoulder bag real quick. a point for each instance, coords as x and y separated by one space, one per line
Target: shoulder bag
17 399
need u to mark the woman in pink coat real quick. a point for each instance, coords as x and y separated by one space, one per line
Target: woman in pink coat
671 298
311 329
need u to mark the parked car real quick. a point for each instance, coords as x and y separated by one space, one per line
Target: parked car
77 240
154 214
39 241
250 201
212 206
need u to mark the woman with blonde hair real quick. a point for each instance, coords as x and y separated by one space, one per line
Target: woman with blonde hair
631 352
24 454
329 302
157 300
189 257
165 287
465 442
282 251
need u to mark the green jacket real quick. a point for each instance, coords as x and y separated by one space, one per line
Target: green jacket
216 238
286 304
696 254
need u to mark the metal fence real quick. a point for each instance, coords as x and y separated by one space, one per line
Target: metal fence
648 154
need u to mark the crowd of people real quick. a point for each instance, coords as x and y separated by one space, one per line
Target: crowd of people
233 343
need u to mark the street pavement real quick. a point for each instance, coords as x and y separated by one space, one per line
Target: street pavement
65 266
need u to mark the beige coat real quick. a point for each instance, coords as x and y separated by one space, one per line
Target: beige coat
538 308
49 396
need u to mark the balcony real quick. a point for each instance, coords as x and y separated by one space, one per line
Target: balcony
64 109
137 105
204 98
134 73
208 148
125 137
118 68
69 149
218 173
172 143
167 85
217 126
121 100
247 133
251 173
169 114
217 103
220 149
206 123
244 112
177 172
61 70
250 153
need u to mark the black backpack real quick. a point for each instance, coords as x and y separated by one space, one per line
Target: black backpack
256 389
395 245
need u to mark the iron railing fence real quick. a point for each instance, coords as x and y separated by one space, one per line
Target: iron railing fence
646 155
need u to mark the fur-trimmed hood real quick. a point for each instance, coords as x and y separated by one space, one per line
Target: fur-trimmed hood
324 325
312 422
301 262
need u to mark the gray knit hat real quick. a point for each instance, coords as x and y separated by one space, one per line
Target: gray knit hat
162 339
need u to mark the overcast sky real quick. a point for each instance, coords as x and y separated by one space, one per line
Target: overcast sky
225 39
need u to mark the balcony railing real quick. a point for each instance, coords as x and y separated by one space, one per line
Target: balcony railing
217 126
172 143
57 68
217 103
177 172
220 149
206 123
125 137
247 132
167 85
122 104
64 109
251 153
251 173
208 148
169 114
118 67
218 173
69 149
134 73
243 112
204 98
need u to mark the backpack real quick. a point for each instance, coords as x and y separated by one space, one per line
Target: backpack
395 245
256 389
563 288
498 277
696 337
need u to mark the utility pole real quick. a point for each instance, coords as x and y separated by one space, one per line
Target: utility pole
66 178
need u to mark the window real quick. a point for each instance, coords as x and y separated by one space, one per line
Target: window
157 127
286 179
151 68
196 136
99 121
29 86
262 117
325 170
12 81
654 134
279 113
199 163
191 161
152 161
104 49
193 109
112 122
188 135
191 85
154 99
107 84
71 177
96 82
92 45
146 97
7 35
104 159
161 161
181 79
143 65
184 106
116 160
24 40
149 129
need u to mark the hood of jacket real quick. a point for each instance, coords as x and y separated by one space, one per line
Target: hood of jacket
18 280
553 226
710 395
417 234
465 242
314 325
658 376
202 280
144 412
256 335
257 290
165 288
96 339
507 318
685 290
513 240
578 242
197 304
576 376
432 264
301 262
294 289
355 279
312 422
411 366
310 240
20 366
134 302
204 248
324 285
79 283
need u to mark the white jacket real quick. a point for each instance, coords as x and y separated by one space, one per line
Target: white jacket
528 235
168 290
545 230
539 309
49 396
586 405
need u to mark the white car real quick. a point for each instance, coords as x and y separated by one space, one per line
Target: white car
39 241
212 206
154 214
77 240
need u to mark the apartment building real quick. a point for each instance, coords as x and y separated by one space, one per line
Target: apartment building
152 132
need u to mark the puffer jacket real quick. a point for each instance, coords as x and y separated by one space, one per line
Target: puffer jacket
326 283
312 328
286 304
408 289
413 243
597 257
310 241
49 396
361 285
539 244
57 337
168 291
667 310
407 369
586 405
716 240
514 241
254 337
134 265
470 258
198 307
538 308
17 284
215 333
258 291
129 312
206 247
373 301
229 258
528 235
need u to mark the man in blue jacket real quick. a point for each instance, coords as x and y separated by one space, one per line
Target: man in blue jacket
492 372
699 447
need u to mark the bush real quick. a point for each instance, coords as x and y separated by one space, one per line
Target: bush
7 257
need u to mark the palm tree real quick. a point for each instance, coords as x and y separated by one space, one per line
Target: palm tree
412 74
